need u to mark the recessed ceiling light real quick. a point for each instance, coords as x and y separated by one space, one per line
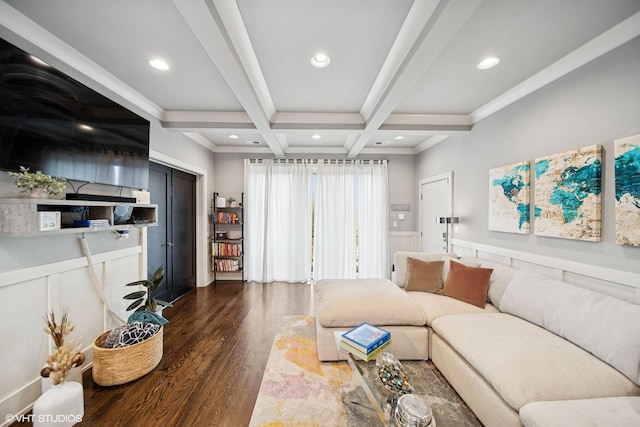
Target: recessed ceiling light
320 60
316 136
399 137
85 127
159 64
233 136
487 63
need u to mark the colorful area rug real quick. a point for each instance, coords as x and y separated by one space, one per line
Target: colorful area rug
299 390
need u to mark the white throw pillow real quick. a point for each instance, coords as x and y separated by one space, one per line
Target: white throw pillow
500 279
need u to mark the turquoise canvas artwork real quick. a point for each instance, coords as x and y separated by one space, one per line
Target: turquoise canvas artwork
627 173
509 198
568 194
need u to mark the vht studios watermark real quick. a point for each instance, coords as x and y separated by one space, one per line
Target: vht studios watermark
44 418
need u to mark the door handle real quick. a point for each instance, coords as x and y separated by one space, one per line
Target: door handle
168 244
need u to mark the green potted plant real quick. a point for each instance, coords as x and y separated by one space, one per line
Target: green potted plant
38 182
144 300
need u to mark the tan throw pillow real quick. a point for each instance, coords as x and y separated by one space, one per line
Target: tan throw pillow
468 284
424 276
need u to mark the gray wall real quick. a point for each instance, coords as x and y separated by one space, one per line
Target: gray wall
595 104
229 178
183 149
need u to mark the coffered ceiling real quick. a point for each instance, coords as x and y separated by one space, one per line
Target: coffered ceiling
402 75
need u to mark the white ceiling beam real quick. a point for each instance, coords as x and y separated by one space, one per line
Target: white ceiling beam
317 121
413 25
389 150
606 42
206 116
193 121
351 139
209 28
441 26
282 140
246 150
317 150
428 119
428 122
234 25
198 138
430 142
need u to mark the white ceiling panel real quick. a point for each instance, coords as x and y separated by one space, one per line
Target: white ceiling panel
528 36
305 139
356 34
122 36
398 67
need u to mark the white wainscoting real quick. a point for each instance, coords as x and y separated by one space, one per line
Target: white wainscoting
25 296
401 241
616 283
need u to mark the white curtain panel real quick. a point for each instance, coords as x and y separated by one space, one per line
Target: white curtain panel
255 207
278 221
334 224
373 219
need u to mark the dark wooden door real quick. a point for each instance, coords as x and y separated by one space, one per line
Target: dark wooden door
184 232
172 242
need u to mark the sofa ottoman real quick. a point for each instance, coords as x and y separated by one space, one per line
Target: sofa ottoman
342 304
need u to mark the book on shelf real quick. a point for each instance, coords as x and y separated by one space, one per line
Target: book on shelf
227 249
363 356
366 337
227 265
227 218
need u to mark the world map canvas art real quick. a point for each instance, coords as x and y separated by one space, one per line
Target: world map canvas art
568 194
509 198
627 171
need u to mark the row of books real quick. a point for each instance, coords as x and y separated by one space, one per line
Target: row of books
227 218
365 341
227 249
227 264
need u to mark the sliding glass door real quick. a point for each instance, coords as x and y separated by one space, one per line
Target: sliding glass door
310 219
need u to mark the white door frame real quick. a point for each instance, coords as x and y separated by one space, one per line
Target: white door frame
448 176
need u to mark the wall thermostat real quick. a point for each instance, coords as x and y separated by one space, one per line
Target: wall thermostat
49 221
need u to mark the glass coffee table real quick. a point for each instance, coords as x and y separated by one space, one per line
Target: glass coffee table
368 403
371 396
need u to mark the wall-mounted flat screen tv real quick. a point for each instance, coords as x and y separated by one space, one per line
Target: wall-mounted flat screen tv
53 123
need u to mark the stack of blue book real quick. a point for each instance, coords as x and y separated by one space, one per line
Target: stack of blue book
365 341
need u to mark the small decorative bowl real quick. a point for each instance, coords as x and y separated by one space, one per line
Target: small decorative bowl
391 373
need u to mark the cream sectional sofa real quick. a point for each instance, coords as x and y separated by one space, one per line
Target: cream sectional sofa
540 353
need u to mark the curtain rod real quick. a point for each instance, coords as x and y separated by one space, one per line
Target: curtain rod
325 161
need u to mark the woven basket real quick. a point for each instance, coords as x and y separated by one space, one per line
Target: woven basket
115 366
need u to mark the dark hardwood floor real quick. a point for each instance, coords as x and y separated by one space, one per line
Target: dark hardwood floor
216 347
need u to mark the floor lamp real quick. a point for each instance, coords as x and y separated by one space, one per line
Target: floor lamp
446 220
